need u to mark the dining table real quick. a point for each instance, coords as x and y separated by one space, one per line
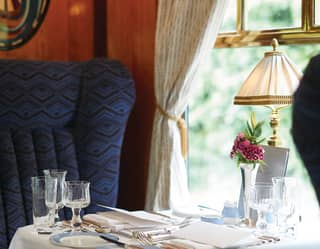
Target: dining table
307 236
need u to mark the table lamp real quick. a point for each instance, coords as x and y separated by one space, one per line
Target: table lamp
271 83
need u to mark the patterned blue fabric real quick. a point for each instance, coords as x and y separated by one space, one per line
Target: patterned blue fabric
65 115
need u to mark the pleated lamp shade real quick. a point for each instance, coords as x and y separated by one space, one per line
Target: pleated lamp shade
272 82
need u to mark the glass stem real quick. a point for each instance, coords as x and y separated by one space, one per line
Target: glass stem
76 219
261 222
56 215
52 217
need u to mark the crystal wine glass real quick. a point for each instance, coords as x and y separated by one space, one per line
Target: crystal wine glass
61 176
76 195
51 197
284 189
261 199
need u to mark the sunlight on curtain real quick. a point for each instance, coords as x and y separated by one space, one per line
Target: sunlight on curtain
186 31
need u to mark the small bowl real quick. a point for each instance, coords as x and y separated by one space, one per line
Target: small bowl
215 219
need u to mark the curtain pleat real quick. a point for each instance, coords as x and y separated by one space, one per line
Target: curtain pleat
186 31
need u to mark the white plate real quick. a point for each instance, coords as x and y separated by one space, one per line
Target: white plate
78 240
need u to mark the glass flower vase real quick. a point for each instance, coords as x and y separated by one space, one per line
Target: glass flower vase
248 178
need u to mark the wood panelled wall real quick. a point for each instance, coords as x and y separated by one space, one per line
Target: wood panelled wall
130 38
65 34
78 30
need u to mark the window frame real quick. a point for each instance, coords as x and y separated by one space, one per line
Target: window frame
307 33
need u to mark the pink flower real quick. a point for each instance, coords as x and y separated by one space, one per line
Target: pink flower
243 148
241 135
246 148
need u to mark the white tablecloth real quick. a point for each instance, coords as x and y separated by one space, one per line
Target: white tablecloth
308 238
27 238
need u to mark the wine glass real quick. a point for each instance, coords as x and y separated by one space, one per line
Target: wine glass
261 199
51 197
284 189
61 176
76 195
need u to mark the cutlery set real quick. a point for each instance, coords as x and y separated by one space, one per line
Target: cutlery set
160 237
153 237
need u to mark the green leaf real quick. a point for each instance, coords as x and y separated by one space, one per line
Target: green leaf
246 134
260 141
260 124
253 120
258 132
249 129
262 163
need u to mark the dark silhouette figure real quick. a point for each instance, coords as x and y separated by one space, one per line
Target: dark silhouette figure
306 121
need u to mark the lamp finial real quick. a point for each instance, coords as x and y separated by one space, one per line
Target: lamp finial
274 44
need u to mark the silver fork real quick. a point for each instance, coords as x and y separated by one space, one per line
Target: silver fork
142 238
153 236
151 239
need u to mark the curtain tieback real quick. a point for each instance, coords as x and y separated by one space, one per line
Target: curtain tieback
182 128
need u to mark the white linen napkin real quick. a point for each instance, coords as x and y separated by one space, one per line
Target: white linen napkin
136 219
215 235
123 220
105 222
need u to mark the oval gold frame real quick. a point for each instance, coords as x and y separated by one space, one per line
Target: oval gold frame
19 21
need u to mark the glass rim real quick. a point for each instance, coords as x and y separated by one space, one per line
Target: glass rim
55 170
76 182
44 179
41 177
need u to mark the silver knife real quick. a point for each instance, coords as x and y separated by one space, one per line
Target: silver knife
113 239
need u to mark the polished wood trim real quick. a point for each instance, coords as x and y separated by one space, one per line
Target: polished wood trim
80 30
263 38
307 33
241 18
100 30
131 29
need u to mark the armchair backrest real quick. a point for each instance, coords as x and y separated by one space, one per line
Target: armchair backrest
66 115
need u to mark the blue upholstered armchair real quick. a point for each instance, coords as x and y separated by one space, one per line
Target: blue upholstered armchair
65 115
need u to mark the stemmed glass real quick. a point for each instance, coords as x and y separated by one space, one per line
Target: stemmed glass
261 199
76 195
61 176
51 197
284 190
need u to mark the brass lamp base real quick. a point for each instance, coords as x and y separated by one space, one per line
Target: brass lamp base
274 140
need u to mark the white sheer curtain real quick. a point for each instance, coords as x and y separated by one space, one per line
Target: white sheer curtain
186 30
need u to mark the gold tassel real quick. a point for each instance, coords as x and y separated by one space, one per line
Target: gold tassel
182 128
184 137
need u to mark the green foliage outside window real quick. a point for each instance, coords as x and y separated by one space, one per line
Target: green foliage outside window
214 121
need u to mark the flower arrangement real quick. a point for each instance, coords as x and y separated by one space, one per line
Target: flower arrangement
246 148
